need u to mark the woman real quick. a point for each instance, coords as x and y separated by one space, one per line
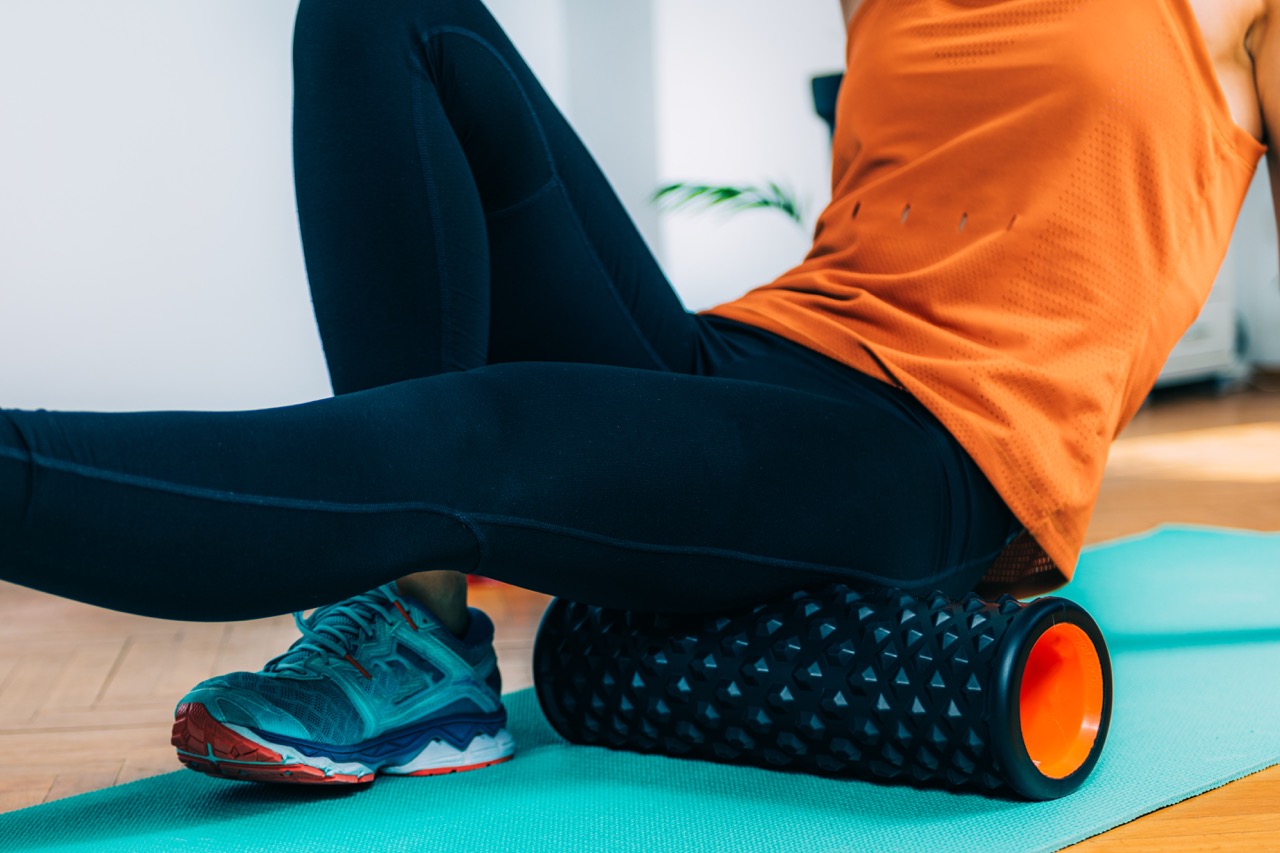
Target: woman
1021 228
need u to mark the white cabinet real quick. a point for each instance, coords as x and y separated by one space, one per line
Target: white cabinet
1245 301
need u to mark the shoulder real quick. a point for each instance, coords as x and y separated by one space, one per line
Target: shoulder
849 7
1259 16
1262 44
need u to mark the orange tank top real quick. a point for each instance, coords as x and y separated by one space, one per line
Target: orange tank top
1031 200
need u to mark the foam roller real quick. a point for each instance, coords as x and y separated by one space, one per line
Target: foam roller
994 696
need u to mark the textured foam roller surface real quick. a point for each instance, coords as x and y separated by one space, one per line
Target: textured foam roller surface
829 681
1192 617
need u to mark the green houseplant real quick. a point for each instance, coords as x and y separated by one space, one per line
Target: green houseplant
770 196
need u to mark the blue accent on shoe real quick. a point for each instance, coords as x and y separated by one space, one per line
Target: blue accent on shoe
403 744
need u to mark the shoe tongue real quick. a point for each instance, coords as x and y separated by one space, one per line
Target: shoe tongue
371 606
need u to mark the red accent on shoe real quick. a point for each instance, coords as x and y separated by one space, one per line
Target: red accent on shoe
407 617
349 659
440 771
207 746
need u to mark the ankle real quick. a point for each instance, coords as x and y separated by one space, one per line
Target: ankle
443 593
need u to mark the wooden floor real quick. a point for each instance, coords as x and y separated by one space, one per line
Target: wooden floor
86 695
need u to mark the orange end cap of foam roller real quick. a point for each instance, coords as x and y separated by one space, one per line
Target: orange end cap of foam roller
1061 700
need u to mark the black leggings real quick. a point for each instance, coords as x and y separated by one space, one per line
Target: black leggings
519 391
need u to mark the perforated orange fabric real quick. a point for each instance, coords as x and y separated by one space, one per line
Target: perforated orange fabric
1031 201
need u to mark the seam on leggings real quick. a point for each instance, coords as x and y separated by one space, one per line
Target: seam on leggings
552 183
469 520
433 194
447 346
430 34
223 496
600 268
758 559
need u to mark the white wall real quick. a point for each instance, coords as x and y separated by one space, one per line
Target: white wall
612 99
148 247
734 107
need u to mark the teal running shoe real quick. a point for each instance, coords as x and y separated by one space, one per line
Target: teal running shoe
374 685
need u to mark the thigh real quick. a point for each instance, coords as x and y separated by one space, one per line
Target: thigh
623 487
674 492
451 217
647 490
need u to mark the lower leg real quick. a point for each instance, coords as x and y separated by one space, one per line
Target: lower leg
436 182
444 593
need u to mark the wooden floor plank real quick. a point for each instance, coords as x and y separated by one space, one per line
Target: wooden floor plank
133 679
26 691
82 782
85 673
19 792
153 760
194 658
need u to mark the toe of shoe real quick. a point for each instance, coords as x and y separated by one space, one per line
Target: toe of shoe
241 707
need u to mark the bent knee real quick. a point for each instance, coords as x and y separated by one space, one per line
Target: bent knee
352 19
342 41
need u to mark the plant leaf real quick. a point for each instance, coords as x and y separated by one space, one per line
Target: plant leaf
681 194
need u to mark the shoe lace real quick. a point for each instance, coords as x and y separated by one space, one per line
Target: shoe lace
333 630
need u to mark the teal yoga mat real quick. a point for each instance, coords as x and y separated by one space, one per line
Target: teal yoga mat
1193 619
